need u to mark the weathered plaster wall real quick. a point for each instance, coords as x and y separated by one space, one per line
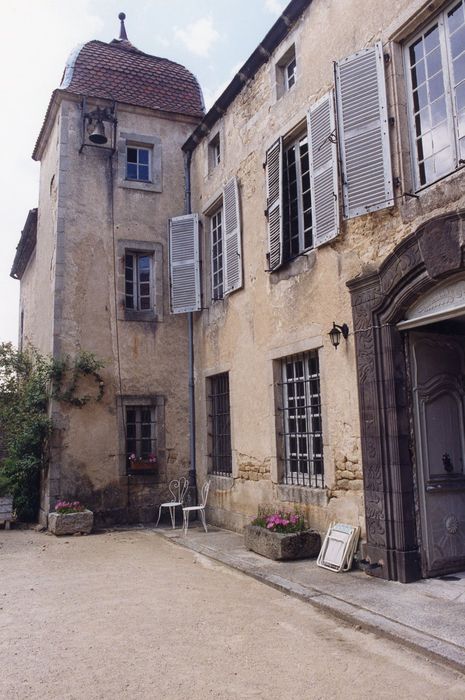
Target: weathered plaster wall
292 310
142 358
38 280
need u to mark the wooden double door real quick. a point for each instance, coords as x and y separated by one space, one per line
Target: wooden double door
437 376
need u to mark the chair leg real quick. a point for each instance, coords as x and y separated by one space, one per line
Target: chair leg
185 523
158 519
173 516
202 517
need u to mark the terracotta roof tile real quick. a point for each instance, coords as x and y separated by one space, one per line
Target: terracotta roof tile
120 72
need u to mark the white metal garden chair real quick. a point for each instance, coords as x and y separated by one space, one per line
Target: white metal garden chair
187 510
178 490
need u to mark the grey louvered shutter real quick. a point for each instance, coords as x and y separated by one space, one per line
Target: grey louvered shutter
274 188
184 264
232 237
364 132
323 170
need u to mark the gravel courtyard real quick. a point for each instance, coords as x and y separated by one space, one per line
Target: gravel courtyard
126 614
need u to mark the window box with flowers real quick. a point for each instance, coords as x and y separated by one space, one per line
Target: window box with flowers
70 518
282 536
142 464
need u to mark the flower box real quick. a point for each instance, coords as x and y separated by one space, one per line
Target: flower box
71 523
282 546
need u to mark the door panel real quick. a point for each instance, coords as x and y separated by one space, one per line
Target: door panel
438 371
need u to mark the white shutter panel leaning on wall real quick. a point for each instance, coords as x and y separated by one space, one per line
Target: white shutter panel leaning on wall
364 132
274 189
184 264
232 237
322 151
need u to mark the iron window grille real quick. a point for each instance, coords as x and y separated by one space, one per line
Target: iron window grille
217 255
297 204
435 62
138 281
138 163
220 425
141 442
302 438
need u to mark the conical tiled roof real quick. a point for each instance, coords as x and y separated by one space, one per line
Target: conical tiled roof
118 71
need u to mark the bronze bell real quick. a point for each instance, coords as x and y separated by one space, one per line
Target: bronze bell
97 135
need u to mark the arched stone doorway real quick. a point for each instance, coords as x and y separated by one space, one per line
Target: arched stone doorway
380 303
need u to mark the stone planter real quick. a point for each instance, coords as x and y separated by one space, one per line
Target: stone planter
71 523
6 510
282 547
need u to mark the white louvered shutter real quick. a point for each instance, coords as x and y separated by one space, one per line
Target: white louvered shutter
232 237
274 188
323 170
364 132
184 264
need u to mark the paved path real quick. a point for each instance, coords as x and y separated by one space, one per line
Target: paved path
126 614
427 615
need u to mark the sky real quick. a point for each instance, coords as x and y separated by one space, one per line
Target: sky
212 38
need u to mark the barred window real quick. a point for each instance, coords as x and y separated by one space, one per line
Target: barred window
302 439
141 443
220 425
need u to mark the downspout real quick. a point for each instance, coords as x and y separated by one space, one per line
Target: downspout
190 320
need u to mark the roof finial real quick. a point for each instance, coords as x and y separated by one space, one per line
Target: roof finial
122 31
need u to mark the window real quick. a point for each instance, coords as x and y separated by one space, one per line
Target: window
138 273
286 72
300 408
219 425
216 227
141 443
138 163
214 152
290 73
436 68
297 206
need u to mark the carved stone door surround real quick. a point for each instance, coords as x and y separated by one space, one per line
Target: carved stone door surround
379 301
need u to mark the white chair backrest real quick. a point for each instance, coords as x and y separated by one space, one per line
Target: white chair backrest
178 489
205 489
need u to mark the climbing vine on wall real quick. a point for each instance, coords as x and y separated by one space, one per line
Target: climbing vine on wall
28 382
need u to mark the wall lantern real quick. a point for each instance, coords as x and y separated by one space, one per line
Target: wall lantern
336 332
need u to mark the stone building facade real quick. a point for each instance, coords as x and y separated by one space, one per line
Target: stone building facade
325 192
93 267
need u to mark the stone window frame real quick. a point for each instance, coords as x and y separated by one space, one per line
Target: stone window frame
282 77
157 402
152 143
155 250
288 493
214 151
312 480
219 482
213 384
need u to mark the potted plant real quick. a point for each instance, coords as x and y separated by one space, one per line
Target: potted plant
69 518
6 500
281 535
